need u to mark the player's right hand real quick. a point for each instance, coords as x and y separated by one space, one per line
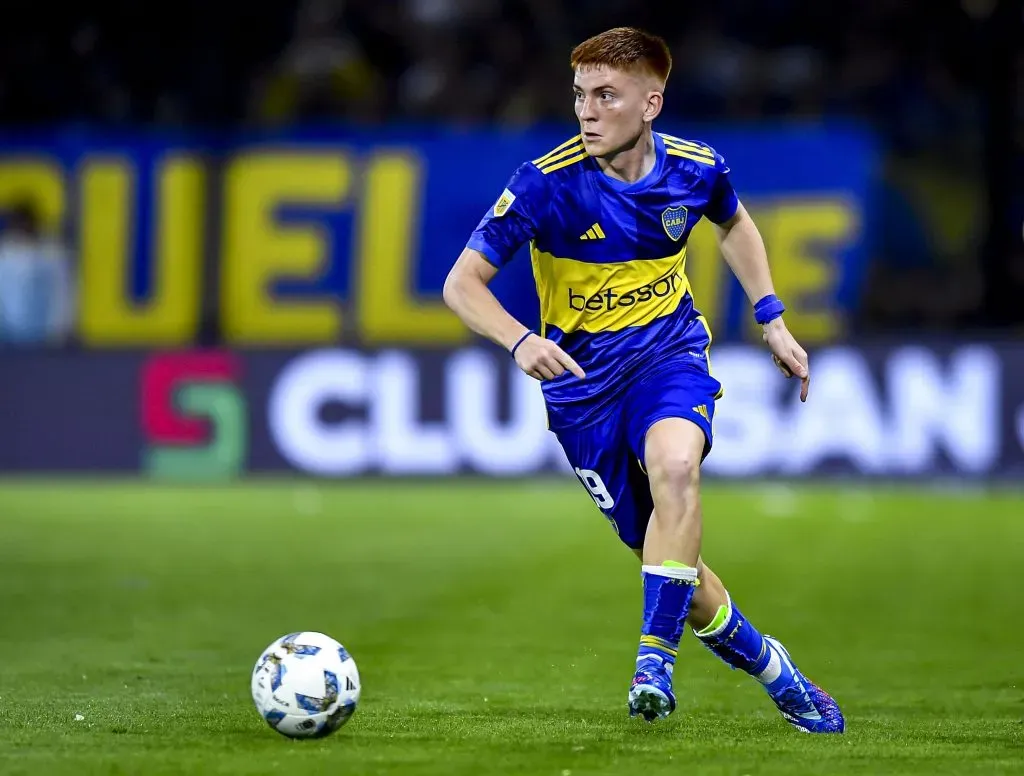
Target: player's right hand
542 359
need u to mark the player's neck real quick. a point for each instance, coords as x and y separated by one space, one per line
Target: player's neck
631 164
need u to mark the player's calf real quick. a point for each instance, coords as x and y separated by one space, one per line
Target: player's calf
735 640
671 549
668 591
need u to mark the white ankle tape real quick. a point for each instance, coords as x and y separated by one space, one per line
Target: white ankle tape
673 572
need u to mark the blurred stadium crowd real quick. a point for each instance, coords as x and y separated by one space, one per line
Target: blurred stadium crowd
926 74
910 66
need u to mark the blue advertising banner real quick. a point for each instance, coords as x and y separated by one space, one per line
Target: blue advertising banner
322 235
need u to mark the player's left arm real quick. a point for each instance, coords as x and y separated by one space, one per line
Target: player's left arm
744 252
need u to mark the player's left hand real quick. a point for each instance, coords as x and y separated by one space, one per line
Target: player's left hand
789 357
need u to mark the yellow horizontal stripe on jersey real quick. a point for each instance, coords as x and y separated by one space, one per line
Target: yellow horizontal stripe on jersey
553 151
691 156
688 145
584 296
565 162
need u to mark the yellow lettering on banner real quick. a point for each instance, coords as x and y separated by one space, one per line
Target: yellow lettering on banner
803 240
389 228
705 270
37 181
170 315
258 251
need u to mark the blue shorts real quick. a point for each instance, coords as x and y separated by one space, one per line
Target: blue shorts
608 455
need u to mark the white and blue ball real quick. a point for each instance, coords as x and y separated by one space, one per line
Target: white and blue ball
306 685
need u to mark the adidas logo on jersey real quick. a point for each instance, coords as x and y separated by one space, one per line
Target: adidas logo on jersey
702 409
593 233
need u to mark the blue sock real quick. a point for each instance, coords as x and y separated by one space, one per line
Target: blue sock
668 590
733 638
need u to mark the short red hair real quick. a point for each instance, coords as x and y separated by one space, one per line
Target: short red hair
625 48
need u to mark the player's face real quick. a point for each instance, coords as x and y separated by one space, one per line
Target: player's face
612 107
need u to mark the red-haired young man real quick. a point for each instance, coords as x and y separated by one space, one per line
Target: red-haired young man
622 352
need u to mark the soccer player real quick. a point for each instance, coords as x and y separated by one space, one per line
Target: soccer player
622 352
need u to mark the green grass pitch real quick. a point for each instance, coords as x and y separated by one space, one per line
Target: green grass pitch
495 625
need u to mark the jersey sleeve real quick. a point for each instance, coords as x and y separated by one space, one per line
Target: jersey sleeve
513 220
723 201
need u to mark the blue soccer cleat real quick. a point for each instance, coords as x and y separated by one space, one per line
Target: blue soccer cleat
650 695
805 706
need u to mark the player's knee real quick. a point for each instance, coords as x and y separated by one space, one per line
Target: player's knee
678 470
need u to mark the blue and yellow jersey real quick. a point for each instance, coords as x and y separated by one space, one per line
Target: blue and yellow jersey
609 260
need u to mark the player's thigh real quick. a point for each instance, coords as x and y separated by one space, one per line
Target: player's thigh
605 466
670 413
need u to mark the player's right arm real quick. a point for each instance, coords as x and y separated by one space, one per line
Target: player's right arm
511 222
466 292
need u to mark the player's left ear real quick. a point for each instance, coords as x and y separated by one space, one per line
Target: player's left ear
653 107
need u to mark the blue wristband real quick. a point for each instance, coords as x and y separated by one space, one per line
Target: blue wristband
767 309
520 342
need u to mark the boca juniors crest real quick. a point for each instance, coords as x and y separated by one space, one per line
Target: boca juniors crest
674 221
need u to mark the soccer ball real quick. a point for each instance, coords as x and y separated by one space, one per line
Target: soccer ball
305 685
